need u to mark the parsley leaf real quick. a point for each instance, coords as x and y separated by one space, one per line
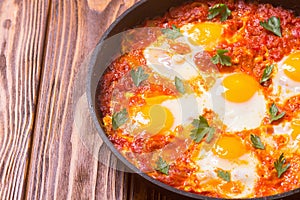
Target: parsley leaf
172 33
221 58
119 118
273 25
179 85
162 166
201 130
223 175
256 142
219 9
279 165
274 113
267 73
138 76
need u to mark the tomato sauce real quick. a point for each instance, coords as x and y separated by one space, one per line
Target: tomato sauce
253 49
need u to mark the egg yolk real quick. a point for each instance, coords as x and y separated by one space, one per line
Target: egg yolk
207 34
232 187
229 147
295 125
157 99
160 118
292 66
239 87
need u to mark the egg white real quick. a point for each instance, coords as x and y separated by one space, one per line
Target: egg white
284 87
286 130
238 116
169 64
242 169
183 109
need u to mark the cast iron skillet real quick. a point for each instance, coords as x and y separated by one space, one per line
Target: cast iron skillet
101 57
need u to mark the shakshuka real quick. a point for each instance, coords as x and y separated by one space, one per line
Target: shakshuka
206 99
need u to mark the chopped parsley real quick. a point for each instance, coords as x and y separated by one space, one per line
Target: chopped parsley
219 9
224 175
119 118
221 58
172 33
279 165
256 142
179 85
201 130
138 76
273 25
267 73
162 166
274 113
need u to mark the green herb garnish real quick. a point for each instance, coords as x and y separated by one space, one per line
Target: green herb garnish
274 113
273 25
162 166
219 9
267 73
138 76
221 58
179 85
223 175
201 130
172 33
256 142
119 118
279 165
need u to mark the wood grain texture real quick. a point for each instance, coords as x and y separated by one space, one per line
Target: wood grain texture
61 166
22 34
48 147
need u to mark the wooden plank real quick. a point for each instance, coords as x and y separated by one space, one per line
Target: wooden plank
61 166
22 34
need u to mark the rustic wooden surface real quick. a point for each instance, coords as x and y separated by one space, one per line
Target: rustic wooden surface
43 47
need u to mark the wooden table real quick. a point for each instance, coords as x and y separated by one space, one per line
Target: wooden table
44 45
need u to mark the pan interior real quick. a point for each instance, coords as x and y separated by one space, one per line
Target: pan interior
101 58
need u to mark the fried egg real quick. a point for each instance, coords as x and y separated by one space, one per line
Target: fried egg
170 65
196 37
164 113
152 117
286 82
234 98
205 34
290 132
229 154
